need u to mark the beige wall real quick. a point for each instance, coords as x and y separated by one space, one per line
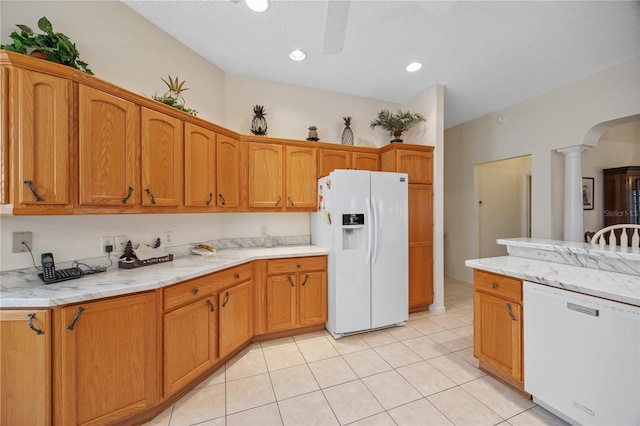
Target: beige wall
123 48
538 126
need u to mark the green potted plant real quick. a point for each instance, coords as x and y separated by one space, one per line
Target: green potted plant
54 47
173 97
396 123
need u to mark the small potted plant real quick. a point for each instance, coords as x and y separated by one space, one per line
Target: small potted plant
396 123
54 47
173 97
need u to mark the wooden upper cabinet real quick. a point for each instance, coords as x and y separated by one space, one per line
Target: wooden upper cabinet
365 161
199 166
265 176
300 182
161 159
227 172
41 110
417 164
332 159
109 136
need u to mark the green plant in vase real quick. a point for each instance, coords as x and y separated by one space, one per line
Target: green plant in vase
173 97
396 123
52 46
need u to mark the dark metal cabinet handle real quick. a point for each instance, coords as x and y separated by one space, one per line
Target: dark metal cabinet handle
298 266
306 278
129 192
31 326
195 290
211 305
510 313
494 285
226 299
236 276
291 281
210 198
278 200
153 199
75 319
224 202
29 184
291 201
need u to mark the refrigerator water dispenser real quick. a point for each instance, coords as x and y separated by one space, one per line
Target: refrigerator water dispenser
352 231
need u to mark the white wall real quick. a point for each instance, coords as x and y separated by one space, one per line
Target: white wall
538 126
123 48
618 147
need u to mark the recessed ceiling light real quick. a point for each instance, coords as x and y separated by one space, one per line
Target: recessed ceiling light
413 66
297 55
258 5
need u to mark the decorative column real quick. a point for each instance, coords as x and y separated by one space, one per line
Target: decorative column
573 209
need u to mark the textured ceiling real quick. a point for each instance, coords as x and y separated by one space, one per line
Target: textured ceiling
487 54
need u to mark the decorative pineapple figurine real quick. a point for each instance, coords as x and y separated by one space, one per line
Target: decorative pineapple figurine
347 133
259 123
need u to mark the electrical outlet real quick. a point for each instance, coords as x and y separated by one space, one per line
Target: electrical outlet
104 242
17 238
167 237
120 242
263 229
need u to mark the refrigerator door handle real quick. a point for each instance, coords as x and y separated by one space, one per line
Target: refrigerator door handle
370 230
375 231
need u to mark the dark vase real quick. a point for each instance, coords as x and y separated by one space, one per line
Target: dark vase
347 136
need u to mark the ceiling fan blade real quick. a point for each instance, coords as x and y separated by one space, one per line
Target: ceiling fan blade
335 26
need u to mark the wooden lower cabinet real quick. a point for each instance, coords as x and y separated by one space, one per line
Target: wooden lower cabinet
296 293
235 317
105 361
190 342
25 367
498 326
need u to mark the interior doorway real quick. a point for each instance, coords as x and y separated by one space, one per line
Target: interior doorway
504 203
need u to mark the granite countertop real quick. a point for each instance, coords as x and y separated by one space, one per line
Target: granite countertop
610 273
23 288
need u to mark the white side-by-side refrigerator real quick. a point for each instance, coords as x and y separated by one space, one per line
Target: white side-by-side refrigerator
362 219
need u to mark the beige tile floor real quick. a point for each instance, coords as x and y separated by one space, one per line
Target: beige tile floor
421 374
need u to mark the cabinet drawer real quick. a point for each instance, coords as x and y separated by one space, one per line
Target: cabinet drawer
232 276
498 285
296 264
185 292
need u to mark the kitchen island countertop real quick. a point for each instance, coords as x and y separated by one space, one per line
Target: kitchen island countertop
23 288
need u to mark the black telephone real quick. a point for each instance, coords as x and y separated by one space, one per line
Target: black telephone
49 273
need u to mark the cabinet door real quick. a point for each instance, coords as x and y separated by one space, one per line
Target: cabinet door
108 347
109 136
497 331
25 368
235 317
366 161
199 166
420 276
190 343
417 164
265 176
301 184
281 302
332 159
420 246
227 172
312 305
161 159
41 109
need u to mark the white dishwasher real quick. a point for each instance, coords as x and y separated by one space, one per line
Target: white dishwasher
582 356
